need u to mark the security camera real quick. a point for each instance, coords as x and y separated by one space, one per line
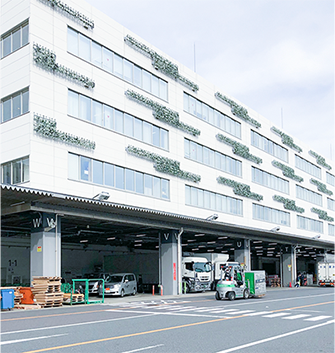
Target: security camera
276 229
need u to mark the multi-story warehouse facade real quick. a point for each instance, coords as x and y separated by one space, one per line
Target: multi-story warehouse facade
89 109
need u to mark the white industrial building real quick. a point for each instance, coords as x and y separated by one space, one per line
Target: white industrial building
109 148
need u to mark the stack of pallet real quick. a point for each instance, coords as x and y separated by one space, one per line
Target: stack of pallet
47 291
17 296
76 298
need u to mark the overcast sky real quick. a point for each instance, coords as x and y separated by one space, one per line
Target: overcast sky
274 56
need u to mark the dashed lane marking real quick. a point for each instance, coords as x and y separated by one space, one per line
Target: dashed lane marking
276 315
294 317
317 318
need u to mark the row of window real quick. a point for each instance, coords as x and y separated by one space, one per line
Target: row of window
267 214
269 180
100 56
212 116
212 158
308 195
330 178
307 167
212 201
14 39
309 224
330 204
97 172
331 229
269 146
14 105
15 172
88 109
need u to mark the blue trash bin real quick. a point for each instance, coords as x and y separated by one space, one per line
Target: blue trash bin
7 299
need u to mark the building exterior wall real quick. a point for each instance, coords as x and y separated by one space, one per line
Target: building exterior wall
48 96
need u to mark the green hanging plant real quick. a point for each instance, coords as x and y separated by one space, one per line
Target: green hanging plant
47 59
287 171
322 214
239 149
320 160
239 188
162 113
238 110
48 128
163 164
286 140
160 63
288 204
321 187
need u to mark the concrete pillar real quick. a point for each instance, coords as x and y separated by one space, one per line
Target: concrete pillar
45 245
242 253
168 261
288 266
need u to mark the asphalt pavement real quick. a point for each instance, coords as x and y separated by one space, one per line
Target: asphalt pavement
284 320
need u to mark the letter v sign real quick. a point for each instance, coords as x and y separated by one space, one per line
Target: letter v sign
166 236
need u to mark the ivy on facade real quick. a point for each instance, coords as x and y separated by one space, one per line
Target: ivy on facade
288 204
322 214
287 171
162 113
321 187
238 110
48 128
163 164
239 149
240 189
286 140
47 59
160 63
76 14
320 160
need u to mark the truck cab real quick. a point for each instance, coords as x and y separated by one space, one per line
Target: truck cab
196 273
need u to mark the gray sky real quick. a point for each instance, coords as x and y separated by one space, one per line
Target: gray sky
274 56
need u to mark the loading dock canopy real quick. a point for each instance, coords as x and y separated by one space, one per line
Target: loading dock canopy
108 223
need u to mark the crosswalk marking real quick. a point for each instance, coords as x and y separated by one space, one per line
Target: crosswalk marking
299 316
239 312
317 318
276 315
259 313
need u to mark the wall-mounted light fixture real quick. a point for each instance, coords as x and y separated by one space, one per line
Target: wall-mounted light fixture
213 217
102 196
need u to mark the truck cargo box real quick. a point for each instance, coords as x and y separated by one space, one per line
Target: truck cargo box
255 281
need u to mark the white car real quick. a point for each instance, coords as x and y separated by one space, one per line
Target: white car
120 284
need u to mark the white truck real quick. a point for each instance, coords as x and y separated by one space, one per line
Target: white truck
196 274
326 274
219 262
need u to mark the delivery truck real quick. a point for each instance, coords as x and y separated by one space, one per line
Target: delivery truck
326 274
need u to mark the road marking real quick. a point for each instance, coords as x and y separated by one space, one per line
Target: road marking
168 329
317 318
171 313
30 339
259 313
299 316
275 337
276 315
142 349
239 312
77 324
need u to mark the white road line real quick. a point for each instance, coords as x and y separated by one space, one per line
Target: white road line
277 315
194 308
275 337
299 316
259 313
142 349
239 312
30 339
317 318
78 324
